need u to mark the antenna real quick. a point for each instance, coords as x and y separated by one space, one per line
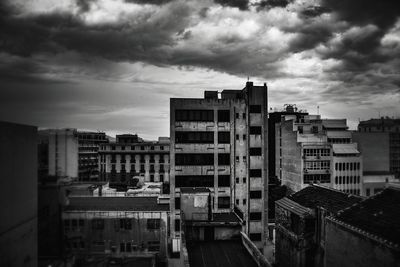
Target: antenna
317 110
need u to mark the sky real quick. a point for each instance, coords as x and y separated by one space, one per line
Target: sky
113 65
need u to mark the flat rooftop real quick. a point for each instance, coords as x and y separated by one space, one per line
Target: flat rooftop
229 253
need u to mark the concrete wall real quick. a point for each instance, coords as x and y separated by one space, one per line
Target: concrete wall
18 224
347 248
374 148
291 158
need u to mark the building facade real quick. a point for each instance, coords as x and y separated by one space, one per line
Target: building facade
314 150
19 222
88 161
127 157
220 144
132 228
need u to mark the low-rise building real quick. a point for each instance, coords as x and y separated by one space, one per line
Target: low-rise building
116 228
365 234
129 157
300 224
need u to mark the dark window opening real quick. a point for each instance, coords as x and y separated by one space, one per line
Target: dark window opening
224 137
255 151
255 130
255 109
153 224
224 180
223 116
255 236
194 137
224 159
194 115
224 202
255 172
256 194
194 181
255 216
194 159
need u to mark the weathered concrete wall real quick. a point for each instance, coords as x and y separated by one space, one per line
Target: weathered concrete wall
291 158
226 233
347 248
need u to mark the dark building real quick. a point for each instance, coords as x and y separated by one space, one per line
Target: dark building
88 146
19 212
379 142
300 224
366 234
273 118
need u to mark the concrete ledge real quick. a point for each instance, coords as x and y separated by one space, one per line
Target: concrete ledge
254 252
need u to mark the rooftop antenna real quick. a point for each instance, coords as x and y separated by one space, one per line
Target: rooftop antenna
248 78
317 110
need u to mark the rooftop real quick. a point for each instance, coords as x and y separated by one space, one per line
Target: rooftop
115 204
318 196
219 253
378 215
379 122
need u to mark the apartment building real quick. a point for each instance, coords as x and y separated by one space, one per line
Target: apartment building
314 150
129 156
219 148
88 160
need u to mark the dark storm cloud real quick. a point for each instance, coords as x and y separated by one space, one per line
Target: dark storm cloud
314 11
267 4
241 4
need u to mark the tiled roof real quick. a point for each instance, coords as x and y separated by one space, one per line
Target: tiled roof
378 215
116 204
318 196
294 207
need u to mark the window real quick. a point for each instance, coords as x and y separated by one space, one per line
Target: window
255 216
97 224
177 203
125 224
224 159
315 178
256 194
224 180
244 115
237 137
161 147
237 200
194 115
237 180
122 247
244 201
255 236
368 193
300 129
244 137
153 224
194 159
255 151
223 116
194 137
223 202
237 158
255 172
224 137
177 225
244 158
255 129
255 109
244 180
194 181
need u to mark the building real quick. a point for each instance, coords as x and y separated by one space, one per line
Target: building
18 225
62 145
300 225
219 159
116 230
128 157
88 156
314 150
365 234
379 142
273 118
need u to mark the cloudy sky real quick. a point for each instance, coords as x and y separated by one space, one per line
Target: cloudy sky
112 65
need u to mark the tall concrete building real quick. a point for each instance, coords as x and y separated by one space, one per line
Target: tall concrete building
219 149
129 157
19 212
379 142
314 150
